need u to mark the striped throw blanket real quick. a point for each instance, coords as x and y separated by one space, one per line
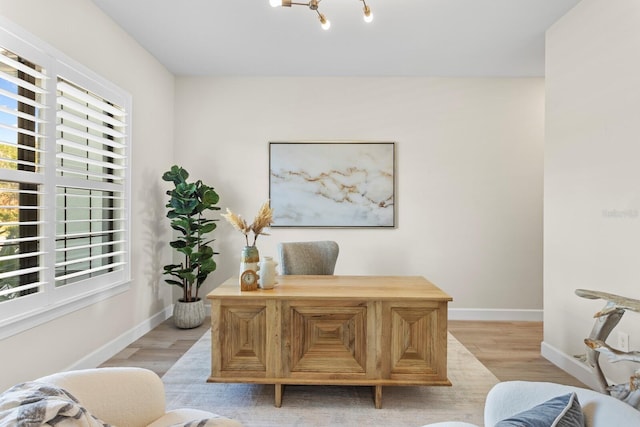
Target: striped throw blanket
34 404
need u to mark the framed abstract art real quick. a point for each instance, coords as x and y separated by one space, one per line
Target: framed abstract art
332 184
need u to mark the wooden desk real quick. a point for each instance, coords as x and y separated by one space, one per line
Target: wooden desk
339 330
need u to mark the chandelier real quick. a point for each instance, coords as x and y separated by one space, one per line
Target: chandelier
313 5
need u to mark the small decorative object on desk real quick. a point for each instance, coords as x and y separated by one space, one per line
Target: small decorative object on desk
250 257
267 273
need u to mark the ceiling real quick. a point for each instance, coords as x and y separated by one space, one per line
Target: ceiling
470 38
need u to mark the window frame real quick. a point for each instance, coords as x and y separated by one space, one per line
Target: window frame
28 311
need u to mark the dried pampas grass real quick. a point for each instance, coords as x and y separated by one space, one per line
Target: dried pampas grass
263 219
237 221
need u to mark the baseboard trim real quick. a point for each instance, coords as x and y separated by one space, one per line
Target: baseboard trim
485 314
107 351
569 364
112 348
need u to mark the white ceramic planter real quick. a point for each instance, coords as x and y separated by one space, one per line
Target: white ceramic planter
187 315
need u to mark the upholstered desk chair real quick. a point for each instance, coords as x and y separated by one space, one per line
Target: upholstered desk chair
308 257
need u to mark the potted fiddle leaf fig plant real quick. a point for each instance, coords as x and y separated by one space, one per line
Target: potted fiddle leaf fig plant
188 202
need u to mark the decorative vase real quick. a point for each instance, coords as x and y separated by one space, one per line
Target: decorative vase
249 259
267 272
187 315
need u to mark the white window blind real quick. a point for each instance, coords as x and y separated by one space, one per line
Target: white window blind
22 105
90 170
64 184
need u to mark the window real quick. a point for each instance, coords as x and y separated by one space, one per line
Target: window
64 184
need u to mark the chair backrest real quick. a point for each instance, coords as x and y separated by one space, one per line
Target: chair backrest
120 396
511 397
308 257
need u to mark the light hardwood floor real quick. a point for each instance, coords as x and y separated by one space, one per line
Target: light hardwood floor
511 350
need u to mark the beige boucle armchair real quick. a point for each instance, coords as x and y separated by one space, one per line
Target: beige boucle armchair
128 397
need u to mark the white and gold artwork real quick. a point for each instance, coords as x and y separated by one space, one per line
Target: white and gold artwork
332 184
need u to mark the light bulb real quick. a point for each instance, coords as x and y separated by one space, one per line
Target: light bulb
368 16
275 3
326 24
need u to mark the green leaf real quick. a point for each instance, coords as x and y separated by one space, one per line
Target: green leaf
208 265
186 189
184 206
189 277
181 222
176 175
206 252
208 228
178 244
210 197
174 282
178 228
172 268
202 276
186 250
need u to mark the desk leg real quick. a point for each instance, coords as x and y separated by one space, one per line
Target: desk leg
377 398
278 395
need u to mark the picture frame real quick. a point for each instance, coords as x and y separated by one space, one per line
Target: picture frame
332 184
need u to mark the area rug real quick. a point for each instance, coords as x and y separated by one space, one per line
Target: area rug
310 406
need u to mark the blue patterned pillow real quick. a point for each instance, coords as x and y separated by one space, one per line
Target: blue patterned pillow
561 411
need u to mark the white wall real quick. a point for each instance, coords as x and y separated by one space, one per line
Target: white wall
81 31
592 196
469 173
